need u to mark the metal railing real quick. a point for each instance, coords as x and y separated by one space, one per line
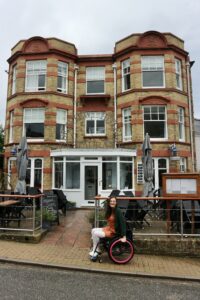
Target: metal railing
156 216
20 213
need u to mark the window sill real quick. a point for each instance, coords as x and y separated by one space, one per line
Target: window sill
95 137
34 140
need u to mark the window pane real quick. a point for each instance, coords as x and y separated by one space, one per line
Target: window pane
72 175
38 178
38 163
95 87
95 73
109 176
100 126
153 79
60 132
58 175
125 175
155 129
34 130
90 127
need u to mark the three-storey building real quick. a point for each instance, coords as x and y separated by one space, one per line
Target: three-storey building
85 116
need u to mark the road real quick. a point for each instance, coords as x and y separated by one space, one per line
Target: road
27 283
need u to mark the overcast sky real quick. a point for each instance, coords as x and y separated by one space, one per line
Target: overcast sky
95 25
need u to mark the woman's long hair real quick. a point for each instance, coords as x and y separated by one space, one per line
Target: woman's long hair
109 209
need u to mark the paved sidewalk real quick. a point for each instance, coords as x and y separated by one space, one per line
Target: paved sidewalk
67 246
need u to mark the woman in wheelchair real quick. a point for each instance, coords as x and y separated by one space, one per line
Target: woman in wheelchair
115 232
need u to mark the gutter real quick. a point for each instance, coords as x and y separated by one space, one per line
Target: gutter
190 102
75 103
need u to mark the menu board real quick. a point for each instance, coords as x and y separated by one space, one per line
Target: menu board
50 202
175 184
181 186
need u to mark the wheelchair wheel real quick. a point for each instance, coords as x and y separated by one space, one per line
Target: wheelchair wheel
121 253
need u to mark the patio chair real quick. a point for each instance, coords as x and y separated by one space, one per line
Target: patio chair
63 203
33 191
114 193
15 212
187 214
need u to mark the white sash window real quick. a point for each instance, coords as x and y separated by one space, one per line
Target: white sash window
36 75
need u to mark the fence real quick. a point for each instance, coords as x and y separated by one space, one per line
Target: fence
20 213
156 216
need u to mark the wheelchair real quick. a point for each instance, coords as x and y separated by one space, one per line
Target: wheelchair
118 252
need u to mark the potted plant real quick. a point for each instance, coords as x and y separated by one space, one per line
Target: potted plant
47 218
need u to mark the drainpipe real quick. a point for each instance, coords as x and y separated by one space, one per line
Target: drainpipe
75 102
115 103
188 69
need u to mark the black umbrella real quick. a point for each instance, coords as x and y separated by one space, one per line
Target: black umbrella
147 167
22 162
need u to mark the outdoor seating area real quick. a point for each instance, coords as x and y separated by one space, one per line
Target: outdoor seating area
19 213
155 216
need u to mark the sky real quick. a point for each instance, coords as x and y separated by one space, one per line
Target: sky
95 25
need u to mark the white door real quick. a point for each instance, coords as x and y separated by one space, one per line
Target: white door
92 182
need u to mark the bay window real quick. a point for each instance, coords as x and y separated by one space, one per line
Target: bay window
153 71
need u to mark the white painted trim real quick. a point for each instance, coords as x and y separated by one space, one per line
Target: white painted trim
94 152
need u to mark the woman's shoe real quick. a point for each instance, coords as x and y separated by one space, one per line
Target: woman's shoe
97 251
91 253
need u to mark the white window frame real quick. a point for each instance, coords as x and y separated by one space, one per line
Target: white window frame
181 123
33 115
34 69
32 170
159 120
14 77
157 169
178 72
126 73
95 116
91 76
126 115
183 164
11 126
152 64
61 119
63 73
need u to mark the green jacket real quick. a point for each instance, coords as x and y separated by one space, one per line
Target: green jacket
120 224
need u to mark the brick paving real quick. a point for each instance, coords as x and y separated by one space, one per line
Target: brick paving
67 246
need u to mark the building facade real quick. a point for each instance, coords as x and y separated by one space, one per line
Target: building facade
197 142
85 116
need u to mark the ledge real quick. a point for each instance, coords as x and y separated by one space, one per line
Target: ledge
88 98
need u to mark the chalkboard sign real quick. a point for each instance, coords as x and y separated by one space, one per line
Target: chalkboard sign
50 202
